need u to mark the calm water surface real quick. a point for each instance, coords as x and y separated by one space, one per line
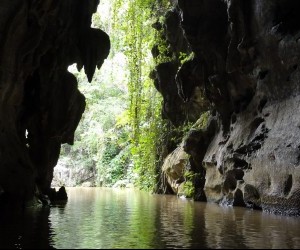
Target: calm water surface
106 218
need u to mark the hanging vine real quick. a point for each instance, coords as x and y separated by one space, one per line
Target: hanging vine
144 106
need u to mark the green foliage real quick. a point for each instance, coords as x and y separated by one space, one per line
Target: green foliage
189 175
164 52
188 189
202 121
184 57
114 165
122 135
143 114
119 135
177 133
110 152
189 186
98 141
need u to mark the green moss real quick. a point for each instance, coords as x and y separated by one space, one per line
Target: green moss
201 123
184 57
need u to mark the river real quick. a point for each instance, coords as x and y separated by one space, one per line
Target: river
114 218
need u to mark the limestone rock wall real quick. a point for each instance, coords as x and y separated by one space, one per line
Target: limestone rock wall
247 65
174 167
40 104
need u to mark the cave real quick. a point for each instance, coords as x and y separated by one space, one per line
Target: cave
243 54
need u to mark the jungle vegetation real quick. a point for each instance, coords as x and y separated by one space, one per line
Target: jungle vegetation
121 133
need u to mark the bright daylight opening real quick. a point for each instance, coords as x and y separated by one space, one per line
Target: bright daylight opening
114 142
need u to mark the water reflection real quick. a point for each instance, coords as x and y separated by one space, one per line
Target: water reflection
175 222
105 218
31 229
242 228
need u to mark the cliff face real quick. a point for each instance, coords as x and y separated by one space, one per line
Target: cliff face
246 66
40 104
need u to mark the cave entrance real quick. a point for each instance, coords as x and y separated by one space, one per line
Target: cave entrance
114 141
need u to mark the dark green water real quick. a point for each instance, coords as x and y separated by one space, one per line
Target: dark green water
106 218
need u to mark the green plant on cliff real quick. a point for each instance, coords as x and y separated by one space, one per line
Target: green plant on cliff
201 123
164 53
188 189
189 183
184 57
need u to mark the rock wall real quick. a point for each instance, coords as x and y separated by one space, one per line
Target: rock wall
246 65
174 167
40 104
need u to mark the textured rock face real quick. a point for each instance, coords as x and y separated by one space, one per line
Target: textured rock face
246 60
40 105
183 99
174 167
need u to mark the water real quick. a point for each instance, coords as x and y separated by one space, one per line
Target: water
106 218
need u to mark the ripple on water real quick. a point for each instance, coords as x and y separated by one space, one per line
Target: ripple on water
106 218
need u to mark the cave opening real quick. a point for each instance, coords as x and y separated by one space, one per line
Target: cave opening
122 105
194 98
175 76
